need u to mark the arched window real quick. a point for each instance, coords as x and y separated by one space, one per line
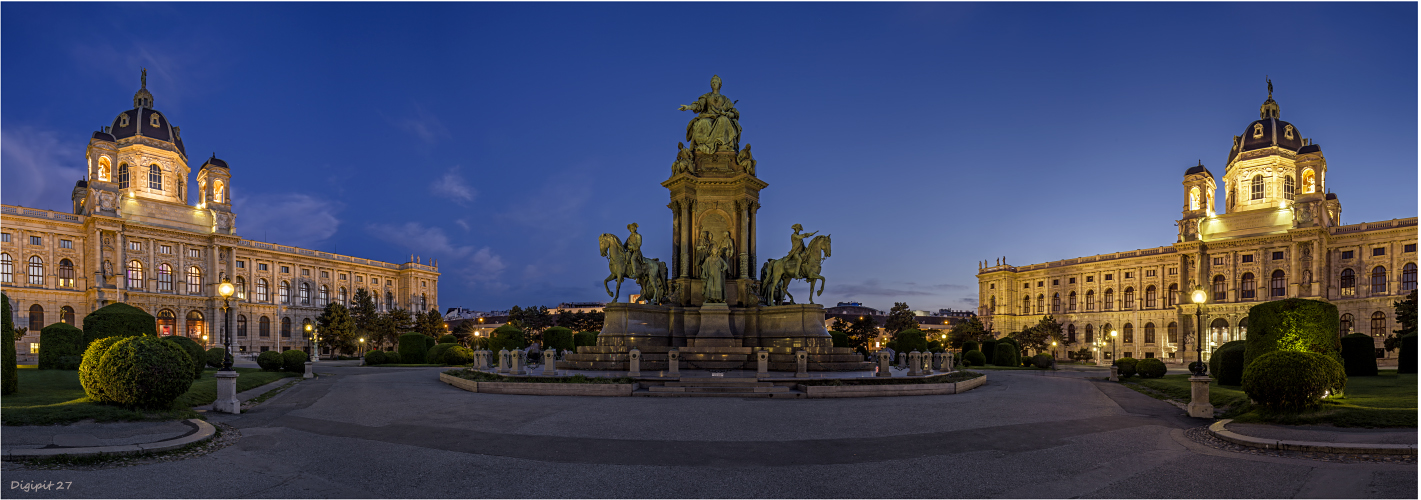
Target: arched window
325 296
1129 332
262 290
123 176
285 291
196 328
1026 305
104 168
285 327
1071 302
1219 331
241 325
1070 334
165 278
1105 333
1090 300
1309 181
194 280
1173 331
66 273
1194 198
219 191
345 303
305 294
1248 286
1221 292
1151 297
264 327
167 322
36 270
1379 279
1109 299
1089 334
1041 304
1348 282
1289 189
1279 284
7 268
1378 324
1408 277
241 286
36 318
1149 333
1172 298
1257 187
1056 303
135 274
66 314
1129 298
155 178
1345 325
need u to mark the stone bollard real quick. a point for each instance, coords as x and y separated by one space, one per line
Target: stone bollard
902 359
762 363
915 364
519 357
550 363
928 362
1114 373
227 392
673 362
308 371
1199 406
801 361
883 364
487 359
504 360
949 361
634 363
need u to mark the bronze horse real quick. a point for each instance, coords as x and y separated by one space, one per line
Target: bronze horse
651 274
776 274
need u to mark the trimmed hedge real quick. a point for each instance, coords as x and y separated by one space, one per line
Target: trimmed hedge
989 350
89 368
428 342
970 345
9 383
1405 359
974 358
1359 356
145 372
580 339
1292 325
840 339
61 347
507 337
1291 380
373 358
1151 368
118 320
448 339
909 341
558 338
413 347
1042 361
436 354
1014 342
392 357
450 354
1005 355
269 361
294 361
1227 363
197 358
1127 367
215 357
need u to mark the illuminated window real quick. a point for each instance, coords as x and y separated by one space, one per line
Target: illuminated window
103 169
1247 286
165 278
194 280
1279 284
1348 282
1379 279
196 327
36 271
135 274
66 273
241 286
167 322
7 268
342 296
219 191
305 294
1257 187
155 178
1309 181
285 291
325 296
1194 198
262 290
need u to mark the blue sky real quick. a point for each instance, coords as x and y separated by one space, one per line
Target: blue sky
502 139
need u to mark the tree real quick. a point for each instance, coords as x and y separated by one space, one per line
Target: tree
1405 318
591 321
862 332
972 330
532 320
1039 336
393 324
365 315
337 328
900 318
430 323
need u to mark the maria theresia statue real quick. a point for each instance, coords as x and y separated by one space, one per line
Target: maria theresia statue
716 127
626 261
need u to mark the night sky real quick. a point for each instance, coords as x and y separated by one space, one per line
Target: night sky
502 139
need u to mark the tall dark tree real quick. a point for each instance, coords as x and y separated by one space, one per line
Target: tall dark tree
366 316
1039 336
972 330
1405 318
431 323
900 318
337 328
862 333
533 320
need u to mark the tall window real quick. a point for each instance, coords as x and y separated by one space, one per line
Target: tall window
194 280
7 268
1071 302
1345 325
1248 286
264 327
241 286
262 290
1071 334
1089 333
1408 277
1257 187
1379 280
1220 289
196 328
1279 285
389 301
305 294
325 296
36 317
1149 333
167 322
219 191
342 297
285 327
1041 304
1348 282
66 314
1056 303
1025 305
1151 297
155 178
1171 298
1109 299
285 292
1173 331
165 278
1289 188
104 168
1378 324
1129 298
135 274
1129 332
66 273
241 325
36 270
1090 300
123 176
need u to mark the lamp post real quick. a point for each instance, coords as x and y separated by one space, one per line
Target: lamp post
225 289
311 341
1199 406
362 347
226 377
1114 368
1199 297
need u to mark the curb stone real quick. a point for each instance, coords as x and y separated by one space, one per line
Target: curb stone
1219 430
204 432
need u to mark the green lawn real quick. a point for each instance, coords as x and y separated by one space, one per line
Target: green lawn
49 397
1386 400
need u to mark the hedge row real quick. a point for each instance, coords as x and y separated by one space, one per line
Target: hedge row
8 373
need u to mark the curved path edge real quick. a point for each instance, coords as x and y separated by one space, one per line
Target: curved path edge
204 432
1219 429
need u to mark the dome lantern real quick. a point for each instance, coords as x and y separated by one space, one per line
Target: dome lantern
143 98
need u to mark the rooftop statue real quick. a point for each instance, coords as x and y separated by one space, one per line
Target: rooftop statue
803 262
626 261
746 161
716 127
685 160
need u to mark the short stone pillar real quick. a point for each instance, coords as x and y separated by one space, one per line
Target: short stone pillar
884 361
227 392
673 362
915 364
486 359
504 360
1199 406
519 357
634 362
801 362
902 358
550 363
928 360
949 361
308 371
1114 373
762 363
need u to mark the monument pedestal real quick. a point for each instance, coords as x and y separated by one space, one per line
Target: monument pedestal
227 393
714 328
1199 406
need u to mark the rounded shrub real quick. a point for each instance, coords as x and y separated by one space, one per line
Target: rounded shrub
974 358
145 372
1014 342
1227 364
269 361
197 358
933 346
392 357
413 347
970 345
1292 325
558 338
450 354
294 361
1150 368
215 357
1127 367
1005 355
1406 357
840 339
374 358
910 340
989 349
1042 361
1290 380
436 354
507 337
1359 357
9 383
61 347
118 320
428 342
448 339
579 339
89 368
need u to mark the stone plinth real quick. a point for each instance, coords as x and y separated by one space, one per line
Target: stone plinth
1199 406
714 329
308 371
227 393
1114 373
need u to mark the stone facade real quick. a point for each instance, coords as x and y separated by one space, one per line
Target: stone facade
1280 238
138 235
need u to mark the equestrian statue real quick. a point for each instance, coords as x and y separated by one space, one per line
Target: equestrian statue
803 263
626 261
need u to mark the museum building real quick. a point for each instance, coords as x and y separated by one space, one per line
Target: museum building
137 234
1278 236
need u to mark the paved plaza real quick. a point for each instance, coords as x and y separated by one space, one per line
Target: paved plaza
363 432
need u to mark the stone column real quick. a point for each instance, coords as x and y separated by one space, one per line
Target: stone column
308 371
801 361
634 363
516 367
1199 406
744 240
915 364
762 363
504 360
673 362
884 360
550 363
227 393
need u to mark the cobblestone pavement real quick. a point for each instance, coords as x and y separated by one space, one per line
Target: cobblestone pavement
397 432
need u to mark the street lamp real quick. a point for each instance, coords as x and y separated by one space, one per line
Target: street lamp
362 347
1113 354
225 289
311 341
1199 297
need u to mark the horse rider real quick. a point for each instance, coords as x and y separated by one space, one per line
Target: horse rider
796 243
633 247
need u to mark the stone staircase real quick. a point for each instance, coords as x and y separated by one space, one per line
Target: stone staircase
719 387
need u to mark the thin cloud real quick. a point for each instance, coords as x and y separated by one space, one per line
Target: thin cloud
872 288
453 186
423 125
467 261
34 168
287 218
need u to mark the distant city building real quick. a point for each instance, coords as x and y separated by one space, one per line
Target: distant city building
580 307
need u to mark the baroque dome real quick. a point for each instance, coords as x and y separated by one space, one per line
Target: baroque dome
1268 131
145 121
